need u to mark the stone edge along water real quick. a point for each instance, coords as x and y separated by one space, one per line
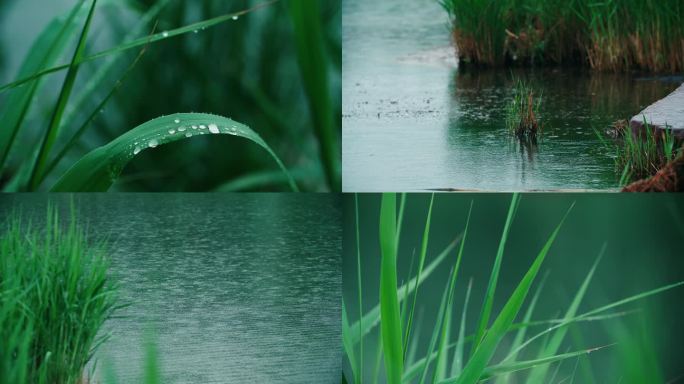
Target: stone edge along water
666 113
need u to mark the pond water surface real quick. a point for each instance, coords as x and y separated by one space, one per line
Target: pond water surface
238 288
413 120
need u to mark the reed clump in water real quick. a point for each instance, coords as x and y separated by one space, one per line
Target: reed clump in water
55 296
522 113
610 35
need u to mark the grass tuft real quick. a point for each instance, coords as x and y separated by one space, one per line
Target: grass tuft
522 112
55 296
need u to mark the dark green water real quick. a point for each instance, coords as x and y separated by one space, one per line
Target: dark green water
239 288
643 235
413 120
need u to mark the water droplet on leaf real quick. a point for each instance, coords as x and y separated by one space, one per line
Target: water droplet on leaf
213 128
153 143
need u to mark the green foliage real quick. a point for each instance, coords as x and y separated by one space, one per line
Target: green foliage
483 362
55 295
97 170
643 154
243 59
611 35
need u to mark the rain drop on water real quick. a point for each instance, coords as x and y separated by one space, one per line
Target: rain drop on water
153 143
213 128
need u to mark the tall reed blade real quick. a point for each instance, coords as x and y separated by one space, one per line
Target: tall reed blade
389 304
51 134
494 277
484 352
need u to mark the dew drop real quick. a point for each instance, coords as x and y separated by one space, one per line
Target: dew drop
181 129
213 128
188 134
165 34
172 131
202 126
153 143
176 121
137 150
235 17
195 31
194 127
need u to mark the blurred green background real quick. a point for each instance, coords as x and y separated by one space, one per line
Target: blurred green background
246 69
644 236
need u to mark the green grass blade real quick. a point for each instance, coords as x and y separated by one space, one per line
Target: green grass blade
140 42
457 364
442 354
494 277
520 335
400 221
538 374
43 52
372 318
421 263
314 66
484 352
389 302
604 308
436 329
359 285
81 130
51 134
97 170
80 99
348 344
527 364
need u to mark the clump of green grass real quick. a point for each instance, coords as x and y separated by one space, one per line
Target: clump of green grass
522 112
610 35
641 155
447 360
55 295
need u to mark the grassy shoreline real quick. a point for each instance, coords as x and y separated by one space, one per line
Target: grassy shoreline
607 36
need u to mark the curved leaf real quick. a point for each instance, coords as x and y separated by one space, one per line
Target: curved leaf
97 170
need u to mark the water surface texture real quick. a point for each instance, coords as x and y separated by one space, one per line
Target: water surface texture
413 120
239 288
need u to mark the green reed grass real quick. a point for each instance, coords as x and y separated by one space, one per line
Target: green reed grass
641 155
56 295
447 339
284 88
522 112
613 35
